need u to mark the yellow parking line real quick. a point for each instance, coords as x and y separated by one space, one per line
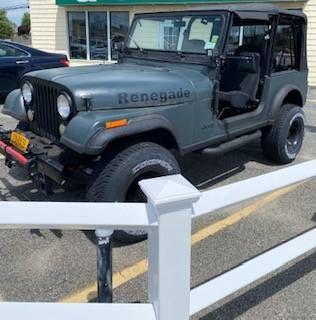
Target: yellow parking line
141 267
119 279
236 217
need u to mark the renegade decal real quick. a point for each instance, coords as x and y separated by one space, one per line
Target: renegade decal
125 98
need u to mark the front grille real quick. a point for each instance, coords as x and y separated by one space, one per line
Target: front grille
46 118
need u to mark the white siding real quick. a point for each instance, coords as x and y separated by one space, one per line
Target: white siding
49 26
310 11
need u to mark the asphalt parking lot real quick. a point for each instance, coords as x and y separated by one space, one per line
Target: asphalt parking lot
58 265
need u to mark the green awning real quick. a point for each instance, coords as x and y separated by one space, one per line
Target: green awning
149 2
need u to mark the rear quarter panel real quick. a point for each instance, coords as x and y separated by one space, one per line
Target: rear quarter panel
281 83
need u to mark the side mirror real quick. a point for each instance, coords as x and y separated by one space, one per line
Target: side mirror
118 45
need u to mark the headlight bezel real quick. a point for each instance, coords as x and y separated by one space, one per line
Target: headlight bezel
67 97
31 88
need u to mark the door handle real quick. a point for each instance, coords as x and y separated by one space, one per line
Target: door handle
22 62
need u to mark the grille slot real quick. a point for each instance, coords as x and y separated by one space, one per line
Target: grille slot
46 119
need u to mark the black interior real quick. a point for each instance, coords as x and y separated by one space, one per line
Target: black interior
244 67
192 45
240 79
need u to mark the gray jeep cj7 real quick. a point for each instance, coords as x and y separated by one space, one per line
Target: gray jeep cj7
194 81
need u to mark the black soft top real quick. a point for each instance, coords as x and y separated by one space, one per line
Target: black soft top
261 11
244 11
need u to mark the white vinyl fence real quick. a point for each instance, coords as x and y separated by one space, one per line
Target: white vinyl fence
172 202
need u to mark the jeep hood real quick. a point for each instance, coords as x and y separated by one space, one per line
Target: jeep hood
128 85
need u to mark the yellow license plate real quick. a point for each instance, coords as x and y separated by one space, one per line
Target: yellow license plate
19 141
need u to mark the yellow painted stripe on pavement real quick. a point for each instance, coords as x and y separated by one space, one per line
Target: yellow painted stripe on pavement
236 217
119 278
139 268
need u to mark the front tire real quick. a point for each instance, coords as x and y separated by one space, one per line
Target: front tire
117 180
283 141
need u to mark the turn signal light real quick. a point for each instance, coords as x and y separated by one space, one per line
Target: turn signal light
116 123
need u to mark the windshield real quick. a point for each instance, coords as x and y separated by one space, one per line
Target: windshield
183 33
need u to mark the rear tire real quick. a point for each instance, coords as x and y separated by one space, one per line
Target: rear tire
117 179
282 142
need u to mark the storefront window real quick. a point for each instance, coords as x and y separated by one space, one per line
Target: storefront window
98 35
77 35
88 34
119 28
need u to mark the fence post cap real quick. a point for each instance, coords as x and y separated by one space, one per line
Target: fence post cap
103 233
169 189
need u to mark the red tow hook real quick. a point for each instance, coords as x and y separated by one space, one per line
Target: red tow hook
14 154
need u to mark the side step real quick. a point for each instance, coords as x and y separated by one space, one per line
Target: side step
234 144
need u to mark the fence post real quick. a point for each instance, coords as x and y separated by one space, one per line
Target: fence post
104 265
169 246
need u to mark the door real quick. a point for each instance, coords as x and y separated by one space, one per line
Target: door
13 64
241 103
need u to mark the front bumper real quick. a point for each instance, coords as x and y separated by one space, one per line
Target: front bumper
42 157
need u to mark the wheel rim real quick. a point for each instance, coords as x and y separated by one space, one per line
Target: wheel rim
294 138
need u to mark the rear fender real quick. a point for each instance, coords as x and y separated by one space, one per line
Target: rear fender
280 97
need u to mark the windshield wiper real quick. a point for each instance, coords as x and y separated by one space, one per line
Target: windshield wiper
136 44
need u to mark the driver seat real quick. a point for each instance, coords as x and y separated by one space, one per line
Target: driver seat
238 85
192 45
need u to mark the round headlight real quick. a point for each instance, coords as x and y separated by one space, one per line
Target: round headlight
27 92
64 105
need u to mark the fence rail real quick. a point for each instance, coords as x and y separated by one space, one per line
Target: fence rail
239 191
172 202
248 272
76 311
76 216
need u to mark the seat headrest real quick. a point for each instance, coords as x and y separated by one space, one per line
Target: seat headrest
249 62
193 45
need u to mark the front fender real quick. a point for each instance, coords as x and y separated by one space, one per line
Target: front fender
14 106
86 133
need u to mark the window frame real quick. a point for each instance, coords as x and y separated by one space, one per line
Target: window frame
27 54
241 32
222 37
284 19
294 56
87 32
68 33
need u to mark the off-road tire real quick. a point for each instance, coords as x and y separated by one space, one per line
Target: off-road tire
117 179
276 143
